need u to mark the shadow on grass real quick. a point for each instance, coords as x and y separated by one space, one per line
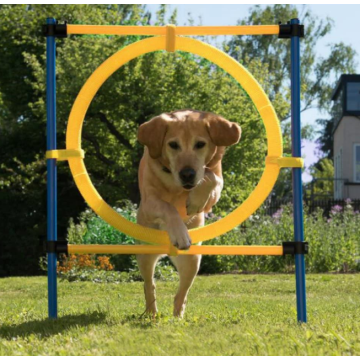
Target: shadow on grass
49 327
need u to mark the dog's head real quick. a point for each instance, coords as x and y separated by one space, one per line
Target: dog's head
188 141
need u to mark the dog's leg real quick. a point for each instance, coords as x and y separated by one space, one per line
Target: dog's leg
147 265
156 211
187 266
204 195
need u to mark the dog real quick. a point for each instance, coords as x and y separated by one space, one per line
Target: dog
180 179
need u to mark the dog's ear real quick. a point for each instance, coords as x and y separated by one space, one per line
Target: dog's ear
152 133
222 132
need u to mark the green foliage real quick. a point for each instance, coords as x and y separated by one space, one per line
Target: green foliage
19 242
162 273
91 229
226 315
334 242
325 140
323 169
145 87
317 72
23 128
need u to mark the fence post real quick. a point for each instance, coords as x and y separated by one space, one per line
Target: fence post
51 168
296 174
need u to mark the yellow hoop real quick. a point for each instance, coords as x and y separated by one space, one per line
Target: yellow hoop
249 84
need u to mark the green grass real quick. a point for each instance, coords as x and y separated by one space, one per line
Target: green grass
226 315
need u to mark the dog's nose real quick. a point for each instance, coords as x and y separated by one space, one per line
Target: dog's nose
187 175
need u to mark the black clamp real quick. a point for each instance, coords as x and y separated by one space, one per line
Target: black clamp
57 30
295 247
56 247
287 31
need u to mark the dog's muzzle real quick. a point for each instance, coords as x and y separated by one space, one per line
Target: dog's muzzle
187 176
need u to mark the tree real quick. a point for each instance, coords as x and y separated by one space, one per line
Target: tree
322 172
145 87
317 73
23 129
325 140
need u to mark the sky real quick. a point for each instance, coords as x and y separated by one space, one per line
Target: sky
345 29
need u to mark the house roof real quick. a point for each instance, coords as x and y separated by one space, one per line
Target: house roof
344 78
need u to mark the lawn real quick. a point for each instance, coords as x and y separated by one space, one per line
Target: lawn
226 315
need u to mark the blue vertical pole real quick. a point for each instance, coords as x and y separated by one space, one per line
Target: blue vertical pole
296 174
51 168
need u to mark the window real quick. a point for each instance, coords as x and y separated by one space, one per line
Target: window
338 188
357 163
353 96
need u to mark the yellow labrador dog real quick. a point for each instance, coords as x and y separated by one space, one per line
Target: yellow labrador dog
180 179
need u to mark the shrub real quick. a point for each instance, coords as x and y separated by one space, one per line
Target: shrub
334 242
83 262
91 229
99 269
163 273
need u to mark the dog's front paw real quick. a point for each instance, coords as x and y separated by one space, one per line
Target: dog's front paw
179 236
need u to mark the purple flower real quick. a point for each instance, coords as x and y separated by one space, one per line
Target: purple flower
336 209
277 214
348 201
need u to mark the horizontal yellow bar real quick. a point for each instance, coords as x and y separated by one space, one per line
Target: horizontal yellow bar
180 30
166 249
229 30
62 155
285 162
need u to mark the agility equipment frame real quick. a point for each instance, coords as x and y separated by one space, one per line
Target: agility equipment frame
168 38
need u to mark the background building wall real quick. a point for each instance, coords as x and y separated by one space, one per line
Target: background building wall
346 136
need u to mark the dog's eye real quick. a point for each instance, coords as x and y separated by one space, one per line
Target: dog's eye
174 145
199 145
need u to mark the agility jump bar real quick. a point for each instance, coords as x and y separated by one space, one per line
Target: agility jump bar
171 250
282 30
180 30
287 248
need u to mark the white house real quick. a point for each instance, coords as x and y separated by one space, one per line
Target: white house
346 135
